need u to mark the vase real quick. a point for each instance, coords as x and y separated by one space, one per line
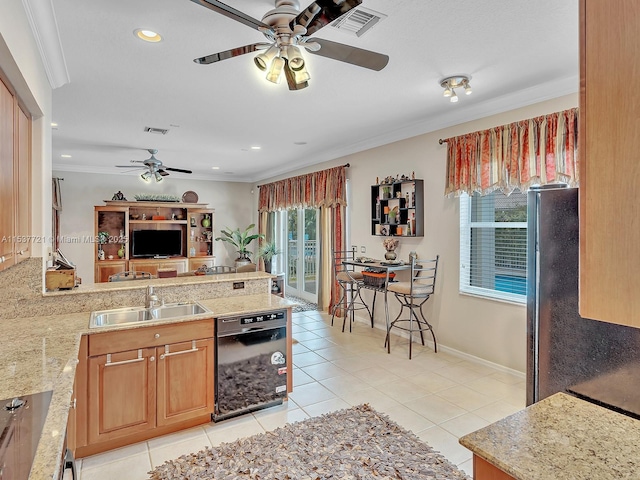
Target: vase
206 222
390 255
121 252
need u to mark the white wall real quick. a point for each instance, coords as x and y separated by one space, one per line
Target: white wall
491 330
233 204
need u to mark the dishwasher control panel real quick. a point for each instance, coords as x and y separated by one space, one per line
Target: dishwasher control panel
263 317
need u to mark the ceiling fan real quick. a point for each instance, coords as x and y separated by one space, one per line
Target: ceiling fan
155 167
287 30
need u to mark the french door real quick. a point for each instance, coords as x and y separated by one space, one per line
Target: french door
301 253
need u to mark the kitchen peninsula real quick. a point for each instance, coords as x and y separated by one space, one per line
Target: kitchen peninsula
561 437
43 335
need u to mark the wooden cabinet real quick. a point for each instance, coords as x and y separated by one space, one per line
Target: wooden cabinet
397 209
152 265
144 382
122 394
106 268
15 180
184 381
609 161
118 220
483 470
7 212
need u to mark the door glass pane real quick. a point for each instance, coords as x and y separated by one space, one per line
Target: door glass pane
310 249
292 249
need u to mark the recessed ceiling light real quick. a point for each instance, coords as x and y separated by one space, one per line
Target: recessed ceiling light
255 147
215 168
299 143
54 125
147 35
64 155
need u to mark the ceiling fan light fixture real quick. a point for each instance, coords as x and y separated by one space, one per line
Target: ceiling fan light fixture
301 75
273 75
262 60
146 176
295 58
157 176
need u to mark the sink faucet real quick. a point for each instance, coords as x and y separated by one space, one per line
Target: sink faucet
151 299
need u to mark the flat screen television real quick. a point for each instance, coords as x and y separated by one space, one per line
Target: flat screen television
156 243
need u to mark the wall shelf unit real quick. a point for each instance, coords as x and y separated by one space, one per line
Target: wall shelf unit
118 219
397 209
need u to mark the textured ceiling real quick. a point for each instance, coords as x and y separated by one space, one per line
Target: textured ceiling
518 52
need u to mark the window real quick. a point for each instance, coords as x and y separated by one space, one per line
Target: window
493 246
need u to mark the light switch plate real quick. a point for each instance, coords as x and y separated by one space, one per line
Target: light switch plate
363 249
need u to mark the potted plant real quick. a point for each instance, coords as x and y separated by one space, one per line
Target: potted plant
267 251
240 240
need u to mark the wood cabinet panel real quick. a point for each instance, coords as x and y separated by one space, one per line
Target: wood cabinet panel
609 163
152 266
185 381
122 394
152 336
483 470
106 268
23 185
7 212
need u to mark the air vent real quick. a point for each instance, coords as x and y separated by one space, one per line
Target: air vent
160 131
358 21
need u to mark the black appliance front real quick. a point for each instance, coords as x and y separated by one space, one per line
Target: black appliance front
21 422
594 360
251 363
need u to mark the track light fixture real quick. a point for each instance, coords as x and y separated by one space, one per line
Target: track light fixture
455 81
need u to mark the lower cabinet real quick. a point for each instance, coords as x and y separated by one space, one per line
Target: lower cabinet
184 381
106 268
152 265
144 382
483 470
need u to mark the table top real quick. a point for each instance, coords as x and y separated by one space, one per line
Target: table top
389 267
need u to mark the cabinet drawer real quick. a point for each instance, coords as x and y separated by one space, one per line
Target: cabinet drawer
156 335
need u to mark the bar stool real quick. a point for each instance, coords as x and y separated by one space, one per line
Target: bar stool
413 295
350 282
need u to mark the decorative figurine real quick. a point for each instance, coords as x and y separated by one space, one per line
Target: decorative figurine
413 175
119 196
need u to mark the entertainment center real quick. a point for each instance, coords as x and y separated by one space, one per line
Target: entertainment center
151 236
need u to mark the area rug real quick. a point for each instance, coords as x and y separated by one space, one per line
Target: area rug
357 443
303 305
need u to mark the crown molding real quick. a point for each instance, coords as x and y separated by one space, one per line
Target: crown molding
42 19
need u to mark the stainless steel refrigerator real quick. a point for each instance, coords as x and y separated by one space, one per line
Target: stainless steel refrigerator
594 360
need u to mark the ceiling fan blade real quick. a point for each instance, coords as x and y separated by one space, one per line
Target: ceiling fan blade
218 57
349 54
163 173
177 170
232 13
129 166
321 13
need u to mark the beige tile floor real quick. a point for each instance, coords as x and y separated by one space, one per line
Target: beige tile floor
438 396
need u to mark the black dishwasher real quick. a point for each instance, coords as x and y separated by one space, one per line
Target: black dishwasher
251 363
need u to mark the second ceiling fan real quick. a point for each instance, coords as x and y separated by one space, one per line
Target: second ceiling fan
288 30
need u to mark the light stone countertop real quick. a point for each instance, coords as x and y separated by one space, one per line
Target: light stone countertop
561 437
40 354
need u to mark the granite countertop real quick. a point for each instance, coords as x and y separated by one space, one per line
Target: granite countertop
40 354
561 437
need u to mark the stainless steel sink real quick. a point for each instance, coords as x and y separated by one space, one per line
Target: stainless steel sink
129 315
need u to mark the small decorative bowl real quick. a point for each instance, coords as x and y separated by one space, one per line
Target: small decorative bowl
135 217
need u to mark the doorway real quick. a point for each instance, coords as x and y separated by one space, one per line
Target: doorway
301 253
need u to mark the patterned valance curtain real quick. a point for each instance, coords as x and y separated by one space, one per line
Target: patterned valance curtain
539 150
326 188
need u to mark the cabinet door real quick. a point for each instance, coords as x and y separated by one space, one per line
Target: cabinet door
609 164
122 394
195 263
179 265
106 268
7 201
23 186
185 381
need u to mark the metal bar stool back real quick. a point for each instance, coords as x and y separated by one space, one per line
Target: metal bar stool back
124 276
350 282
412 295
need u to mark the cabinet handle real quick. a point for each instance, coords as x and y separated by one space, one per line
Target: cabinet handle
74 402
171 354
152 359
157 335
123 362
